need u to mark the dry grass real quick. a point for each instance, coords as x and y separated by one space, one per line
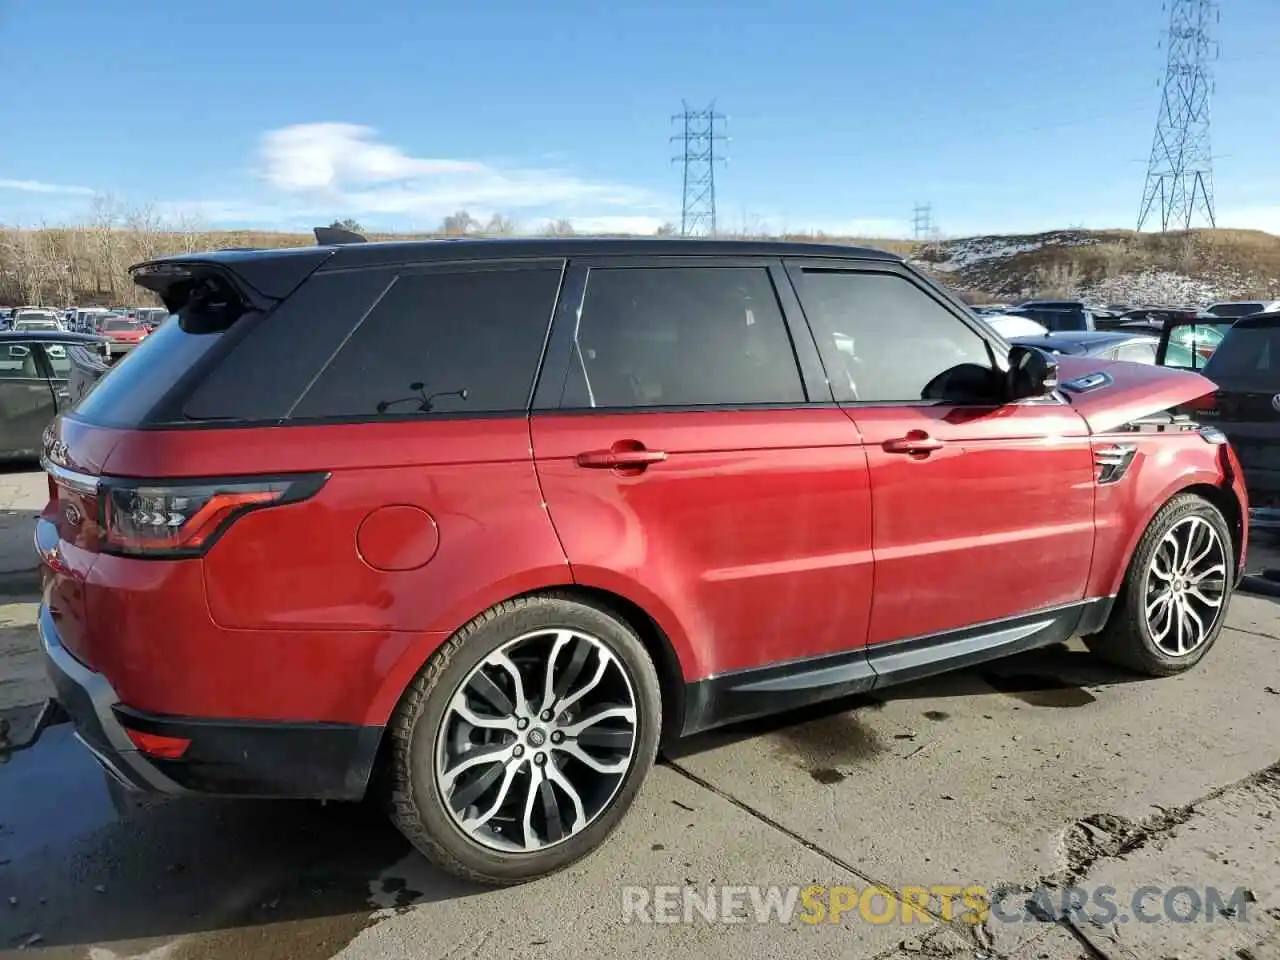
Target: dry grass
1249 256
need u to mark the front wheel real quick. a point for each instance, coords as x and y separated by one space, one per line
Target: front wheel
1174 600
524 740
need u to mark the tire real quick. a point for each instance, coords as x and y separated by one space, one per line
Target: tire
428 732
1129 639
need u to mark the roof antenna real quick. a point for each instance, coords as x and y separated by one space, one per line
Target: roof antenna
326 236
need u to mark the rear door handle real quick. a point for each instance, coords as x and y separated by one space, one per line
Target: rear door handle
613 459
916 442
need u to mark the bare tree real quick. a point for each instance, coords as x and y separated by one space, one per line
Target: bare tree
104 222
144 239
500 226
558 228
458 224
190 232
668 229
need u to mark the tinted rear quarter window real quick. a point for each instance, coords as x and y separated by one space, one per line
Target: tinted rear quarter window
475 330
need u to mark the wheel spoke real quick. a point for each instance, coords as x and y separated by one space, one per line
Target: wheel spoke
574 730
504 662
600 766
531 841
464 797
482 819
1195 626
463 710
482 686
589 685
551 810
555 775
474 758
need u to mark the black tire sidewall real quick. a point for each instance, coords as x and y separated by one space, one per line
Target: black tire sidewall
537 614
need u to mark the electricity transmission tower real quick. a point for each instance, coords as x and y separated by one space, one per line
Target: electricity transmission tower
922 221
1180 172
698 138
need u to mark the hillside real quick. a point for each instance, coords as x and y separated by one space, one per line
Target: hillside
89 264
1113 266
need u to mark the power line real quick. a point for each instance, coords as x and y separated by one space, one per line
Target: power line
698 155
1180 171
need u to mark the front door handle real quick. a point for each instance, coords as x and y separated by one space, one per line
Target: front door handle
915 443
616 458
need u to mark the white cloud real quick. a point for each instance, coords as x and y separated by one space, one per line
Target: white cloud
621 223
344 169
36 186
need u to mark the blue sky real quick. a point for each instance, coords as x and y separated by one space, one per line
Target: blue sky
1006 115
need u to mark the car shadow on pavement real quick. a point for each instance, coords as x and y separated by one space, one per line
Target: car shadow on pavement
76 872
1056 677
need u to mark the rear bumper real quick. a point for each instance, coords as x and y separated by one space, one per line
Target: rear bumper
324 761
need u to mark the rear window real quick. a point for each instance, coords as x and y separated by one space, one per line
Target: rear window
1246 351
138 383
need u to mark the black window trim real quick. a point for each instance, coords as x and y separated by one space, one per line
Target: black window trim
997 347
553 380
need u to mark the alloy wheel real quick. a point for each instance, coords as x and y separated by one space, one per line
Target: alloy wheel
1186 586
536 741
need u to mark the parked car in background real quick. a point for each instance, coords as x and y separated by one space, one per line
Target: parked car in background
1108 345
1246 405
36 318
121 334
1055 318
151 317
1234 309
1014 325
639 493
34 378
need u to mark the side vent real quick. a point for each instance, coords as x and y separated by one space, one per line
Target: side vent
1113 461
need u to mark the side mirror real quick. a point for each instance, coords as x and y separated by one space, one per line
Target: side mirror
18 351
1032 373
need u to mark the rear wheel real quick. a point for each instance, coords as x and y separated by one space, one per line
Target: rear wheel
524 740
1171 608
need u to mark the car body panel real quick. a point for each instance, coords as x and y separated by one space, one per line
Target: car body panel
997 522
1127 391
749 544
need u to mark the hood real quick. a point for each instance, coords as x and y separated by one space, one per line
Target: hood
1110 393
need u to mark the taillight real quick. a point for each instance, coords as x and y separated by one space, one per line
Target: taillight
183 519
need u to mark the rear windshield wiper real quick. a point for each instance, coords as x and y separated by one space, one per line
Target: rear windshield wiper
425 401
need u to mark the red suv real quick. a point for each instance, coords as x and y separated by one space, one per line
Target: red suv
478 523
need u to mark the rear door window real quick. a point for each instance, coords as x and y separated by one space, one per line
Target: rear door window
682 337
465 341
